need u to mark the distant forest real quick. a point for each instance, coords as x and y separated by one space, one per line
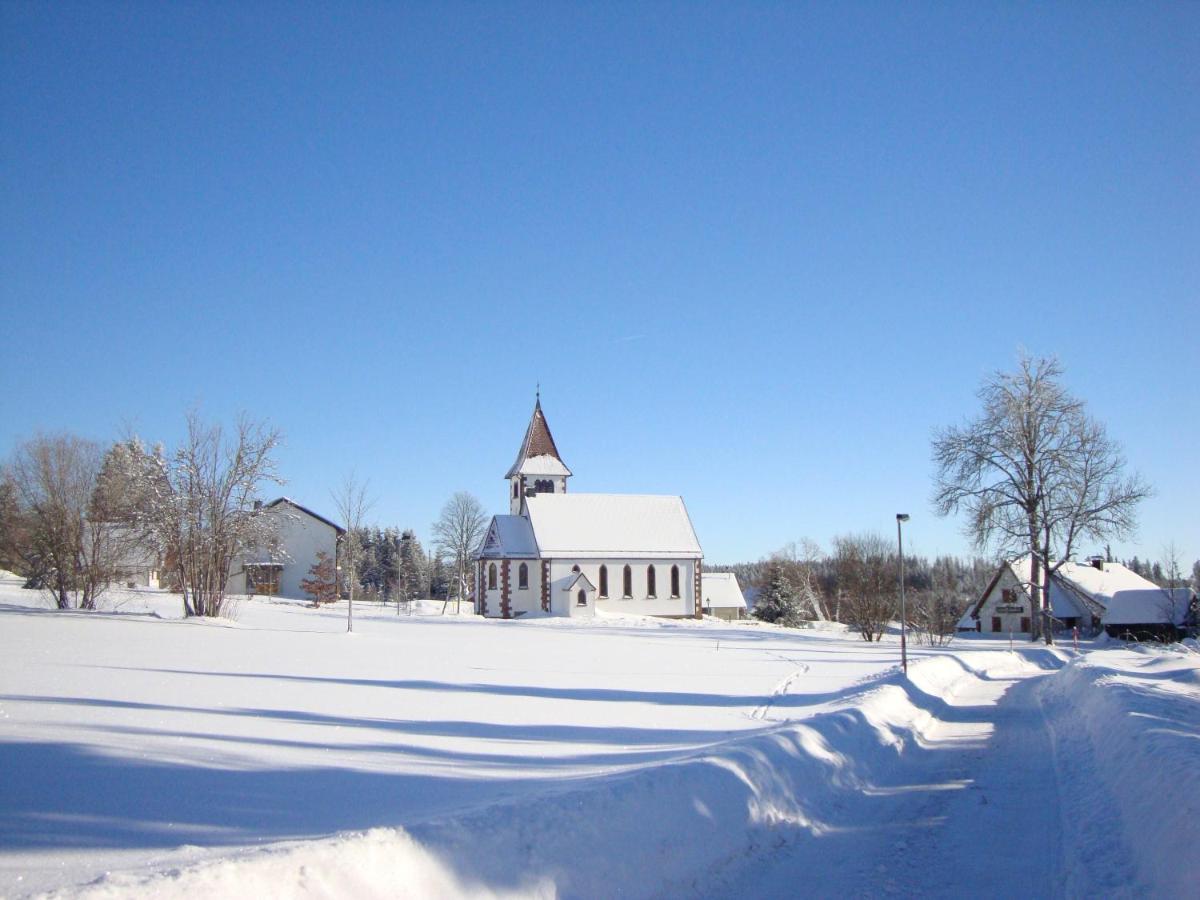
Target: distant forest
967 578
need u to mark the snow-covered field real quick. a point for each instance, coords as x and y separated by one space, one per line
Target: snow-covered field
435 755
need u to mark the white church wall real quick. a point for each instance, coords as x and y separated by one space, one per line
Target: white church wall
519 601
639 602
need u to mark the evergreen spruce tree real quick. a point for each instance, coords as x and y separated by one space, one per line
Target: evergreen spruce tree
412 567
778 602
386 560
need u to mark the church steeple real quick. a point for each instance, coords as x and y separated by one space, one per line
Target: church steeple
538 468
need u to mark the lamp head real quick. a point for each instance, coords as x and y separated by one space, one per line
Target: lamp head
901 517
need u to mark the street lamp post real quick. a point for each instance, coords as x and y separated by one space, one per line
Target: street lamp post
902 517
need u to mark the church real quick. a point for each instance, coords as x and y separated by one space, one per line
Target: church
563 554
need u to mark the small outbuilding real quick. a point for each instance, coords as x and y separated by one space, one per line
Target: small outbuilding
722 595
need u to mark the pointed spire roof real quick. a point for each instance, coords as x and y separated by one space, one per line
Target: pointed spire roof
538 454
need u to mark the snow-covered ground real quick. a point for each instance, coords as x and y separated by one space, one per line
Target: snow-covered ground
436 755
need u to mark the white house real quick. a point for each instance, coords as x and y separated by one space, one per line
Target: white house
571 554
278 570
1080 595
722 595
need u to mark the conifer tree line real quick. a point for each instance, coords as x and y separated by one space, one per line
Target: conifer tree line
393 565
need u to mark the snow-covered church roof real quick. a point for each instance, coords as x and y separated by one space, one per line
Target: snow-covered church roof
538 454
611 525
508 536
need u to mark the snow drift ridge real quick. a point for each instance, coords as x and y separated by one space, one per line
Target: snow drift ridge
691 822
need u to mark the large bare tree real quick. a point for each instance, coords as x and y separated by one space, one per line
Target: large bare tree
1034 474
458 531
49 523
198 507
866 577
353 503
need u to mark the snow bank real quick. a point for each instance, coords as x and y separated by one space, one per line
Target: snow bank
1129 721
378 863
660 830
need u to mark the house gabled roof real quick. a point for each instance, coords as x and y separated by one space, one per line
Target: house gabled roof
538 454
1150 607
595 526
304 509
721 590
1074 587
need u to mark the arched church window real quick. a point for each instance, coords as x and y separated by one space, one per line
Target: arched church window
516 490
650 582
491 576
543 486
674 581
581 598
604 581
575 568
627 582
523 577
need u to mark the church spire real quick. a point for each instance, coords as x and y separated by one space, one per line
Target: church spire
538 468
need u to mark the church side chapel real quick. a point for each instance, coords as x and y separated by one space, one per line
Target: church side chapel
566 554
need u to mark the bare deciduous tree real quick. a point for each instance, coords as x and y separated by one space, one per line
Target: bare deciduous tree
866 570
458 531
197 507
1175 606
1034 474
50 482
934 613
353 504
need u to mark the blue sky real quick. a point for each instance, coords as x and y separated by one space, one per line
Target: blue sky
754 253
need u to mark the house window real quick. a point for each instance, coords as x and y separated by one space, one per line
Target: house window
604 581
581 599
996 626
491 576
263 579
627 583
523 577
1008 595
1025 623
674 581
650 583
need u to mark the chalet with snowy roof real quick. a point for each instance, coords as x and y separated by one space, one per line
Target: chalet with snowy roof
722 595
567 554
278 570
1083 595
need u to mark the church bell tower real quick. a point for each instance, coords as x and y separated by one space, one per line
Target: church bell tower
538 468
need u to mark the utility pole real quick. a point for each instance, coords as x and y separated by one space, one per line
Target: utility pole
902 517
